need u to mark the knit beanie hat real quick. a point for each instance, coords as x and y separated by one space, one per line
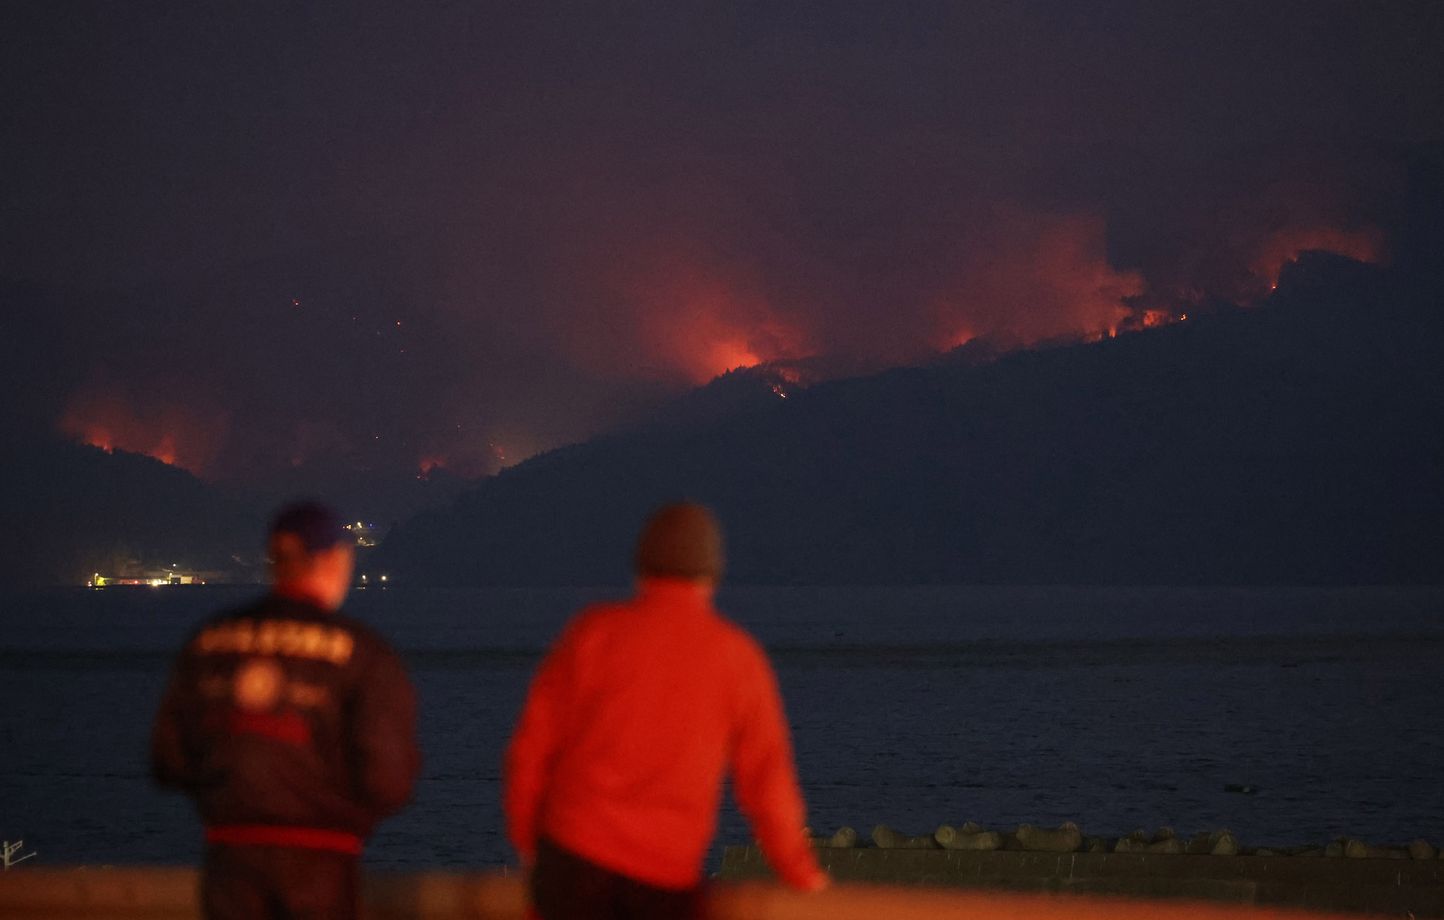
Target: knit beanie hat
681 540
314 524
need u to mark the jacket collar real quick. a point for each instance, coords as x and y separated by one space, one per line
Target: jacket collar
297 594
682 593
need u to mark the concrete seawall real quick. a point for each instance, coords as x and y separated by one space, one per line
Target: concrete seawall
1393 887
170 894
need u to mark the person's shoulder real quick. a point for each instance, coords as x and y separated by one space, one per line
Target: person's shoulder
360 628
746 661
365 635
255 607
738 639
594 618
365 654
252 609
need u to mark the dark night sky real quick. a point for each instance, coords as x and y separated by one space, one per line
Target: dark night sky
509 228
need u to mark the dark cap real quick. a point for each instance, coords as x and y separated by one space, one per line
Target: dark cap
317 526
681 540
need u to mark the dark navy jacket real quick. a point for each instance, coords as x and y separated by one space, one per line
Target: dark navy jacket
282 714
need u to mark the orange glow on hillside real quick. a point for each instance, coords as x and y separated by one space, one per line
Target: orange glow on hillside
164 450
726 356
676 307
100 436
959 338
173 435
698 328
97 436
1031 276
475 457
1283 247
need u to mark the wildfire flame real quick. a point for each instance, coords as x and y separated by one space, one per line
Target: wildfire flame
165 451
724 356
702 328
679 308
1033 276
176 436
682 313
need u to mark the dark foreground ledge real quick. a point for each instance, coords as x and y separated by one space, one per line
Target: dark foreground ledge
170 894
1390 887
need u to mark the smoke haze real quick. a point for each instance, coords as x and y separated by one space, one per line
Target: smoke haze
399 241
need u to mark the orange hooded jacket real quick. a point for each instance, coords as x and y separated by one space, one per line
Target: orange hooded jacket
632 720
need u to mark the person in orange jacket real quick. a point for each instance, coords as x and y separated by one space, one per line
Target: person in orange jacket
614 774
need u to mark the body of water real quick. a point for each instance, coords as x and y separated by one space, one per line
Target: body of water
1114 707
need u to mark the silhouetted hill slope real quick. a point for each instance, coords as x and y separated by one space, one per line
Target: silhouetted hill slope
72 510
1302 442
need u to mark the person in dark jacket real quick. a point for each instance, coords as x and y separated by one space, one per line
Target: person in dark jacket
292 727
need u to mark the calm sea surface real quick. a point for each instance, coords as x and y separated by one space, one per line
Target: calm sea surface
1116 708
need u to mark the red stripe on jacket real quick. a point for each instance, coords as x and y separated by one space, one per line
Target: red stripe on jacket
287 727
270 835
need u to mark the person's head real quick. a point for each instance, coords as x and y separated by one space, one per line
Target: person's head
312 554
681 540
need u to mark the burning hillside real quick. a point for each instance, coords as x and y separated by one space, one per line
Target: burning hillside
174 434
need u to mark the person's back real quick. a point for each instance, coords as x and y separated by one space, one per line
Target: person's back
292 728
633 721
280 716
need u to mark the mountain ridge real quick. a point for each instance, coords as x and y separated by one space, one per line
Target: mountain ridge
1297 442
